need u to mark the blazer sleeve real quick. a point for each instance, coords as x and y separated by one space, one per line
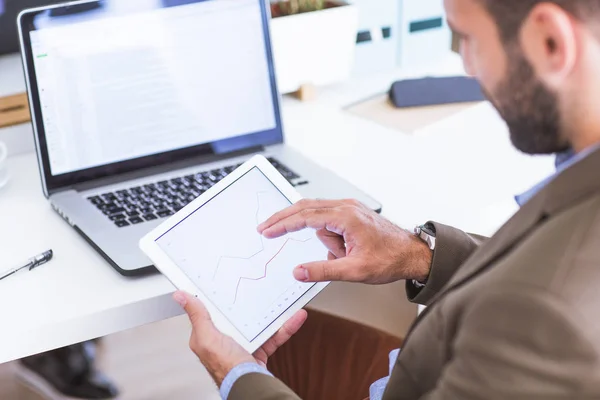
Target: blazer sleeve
452 248
260 387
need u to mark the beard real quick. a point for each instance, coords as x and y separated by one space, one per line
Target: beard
530 109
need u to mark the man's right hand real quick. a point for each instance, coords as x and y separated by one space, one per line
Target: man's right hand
363 246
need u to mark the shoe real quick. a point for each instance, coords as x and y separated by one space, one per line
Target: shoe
66 374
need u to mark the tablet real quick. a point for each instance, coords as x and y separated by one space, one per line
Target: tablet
211 249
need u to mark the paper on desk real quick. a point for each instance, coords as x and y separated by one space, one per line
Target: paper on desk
406 120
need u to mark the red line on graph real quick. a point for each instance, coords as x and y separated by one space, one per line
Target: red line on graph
262 243
264 275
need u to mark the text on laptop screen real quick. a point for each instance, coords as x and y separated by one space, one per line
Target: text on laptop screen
125 79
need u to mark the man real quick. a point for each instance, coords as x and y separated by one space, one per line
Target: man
512 317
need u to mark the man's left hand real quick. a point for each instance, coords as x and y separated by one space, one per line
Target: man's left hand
219 353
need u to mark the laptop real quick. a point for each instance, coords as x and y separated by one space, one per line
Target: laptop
139 106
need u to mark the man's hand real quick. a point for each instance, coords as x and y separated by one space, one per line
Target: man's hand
220 353
363 246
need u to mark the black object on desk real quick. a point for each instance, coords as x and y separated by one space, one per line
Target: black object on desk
435 91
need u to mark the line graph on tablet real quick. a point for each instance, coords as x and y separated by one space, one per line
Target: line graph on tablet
249 278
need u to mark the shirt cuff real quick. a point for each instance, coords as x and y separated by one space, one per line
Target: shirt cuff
236 373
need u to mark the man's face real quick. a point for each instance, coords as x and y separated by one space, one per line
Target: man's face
529 108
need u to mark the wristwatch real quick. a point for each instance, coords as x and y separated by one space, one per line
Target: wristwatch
427 234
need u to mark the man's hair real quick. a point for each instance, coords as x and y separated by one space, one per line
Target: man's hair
510 14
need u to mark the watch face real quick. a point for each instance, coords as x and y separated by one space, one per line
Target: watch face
426 235
429 229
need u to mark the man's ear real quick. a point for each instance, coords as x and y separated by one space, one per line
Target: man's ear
550 42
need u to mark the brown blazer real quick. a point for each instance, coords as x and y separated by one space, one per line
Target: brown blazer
513 317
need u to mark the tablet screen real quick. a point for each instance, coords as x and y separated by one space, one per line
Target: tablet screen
247 277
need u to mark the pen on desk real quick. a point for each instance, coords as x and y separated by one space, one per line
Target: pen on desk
32 264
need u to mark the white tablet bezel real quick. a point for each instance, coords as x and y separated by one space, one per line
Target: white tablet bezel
181 281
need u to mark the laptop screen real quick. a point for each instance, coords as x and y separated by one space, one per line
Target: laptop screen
120 80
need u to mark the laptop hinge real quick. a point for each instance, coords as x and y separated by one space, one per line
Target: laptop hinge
142 173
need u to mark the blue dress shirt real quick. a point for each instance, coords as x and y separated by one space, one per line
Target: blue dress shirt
236 373
563 161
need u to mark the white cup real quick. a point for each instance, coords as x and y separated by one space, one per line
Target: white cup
3 167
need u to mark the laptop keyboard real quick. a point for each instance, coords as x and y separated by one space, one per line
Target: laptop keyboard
162 199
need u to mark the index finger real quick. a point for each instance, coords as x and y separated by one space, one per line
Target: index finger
320 218
296 208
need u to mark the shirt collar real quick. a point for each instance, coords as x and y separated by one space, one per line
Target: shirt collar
563 161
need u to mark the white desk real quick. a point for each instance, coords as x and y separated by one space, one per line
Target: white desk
462 171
